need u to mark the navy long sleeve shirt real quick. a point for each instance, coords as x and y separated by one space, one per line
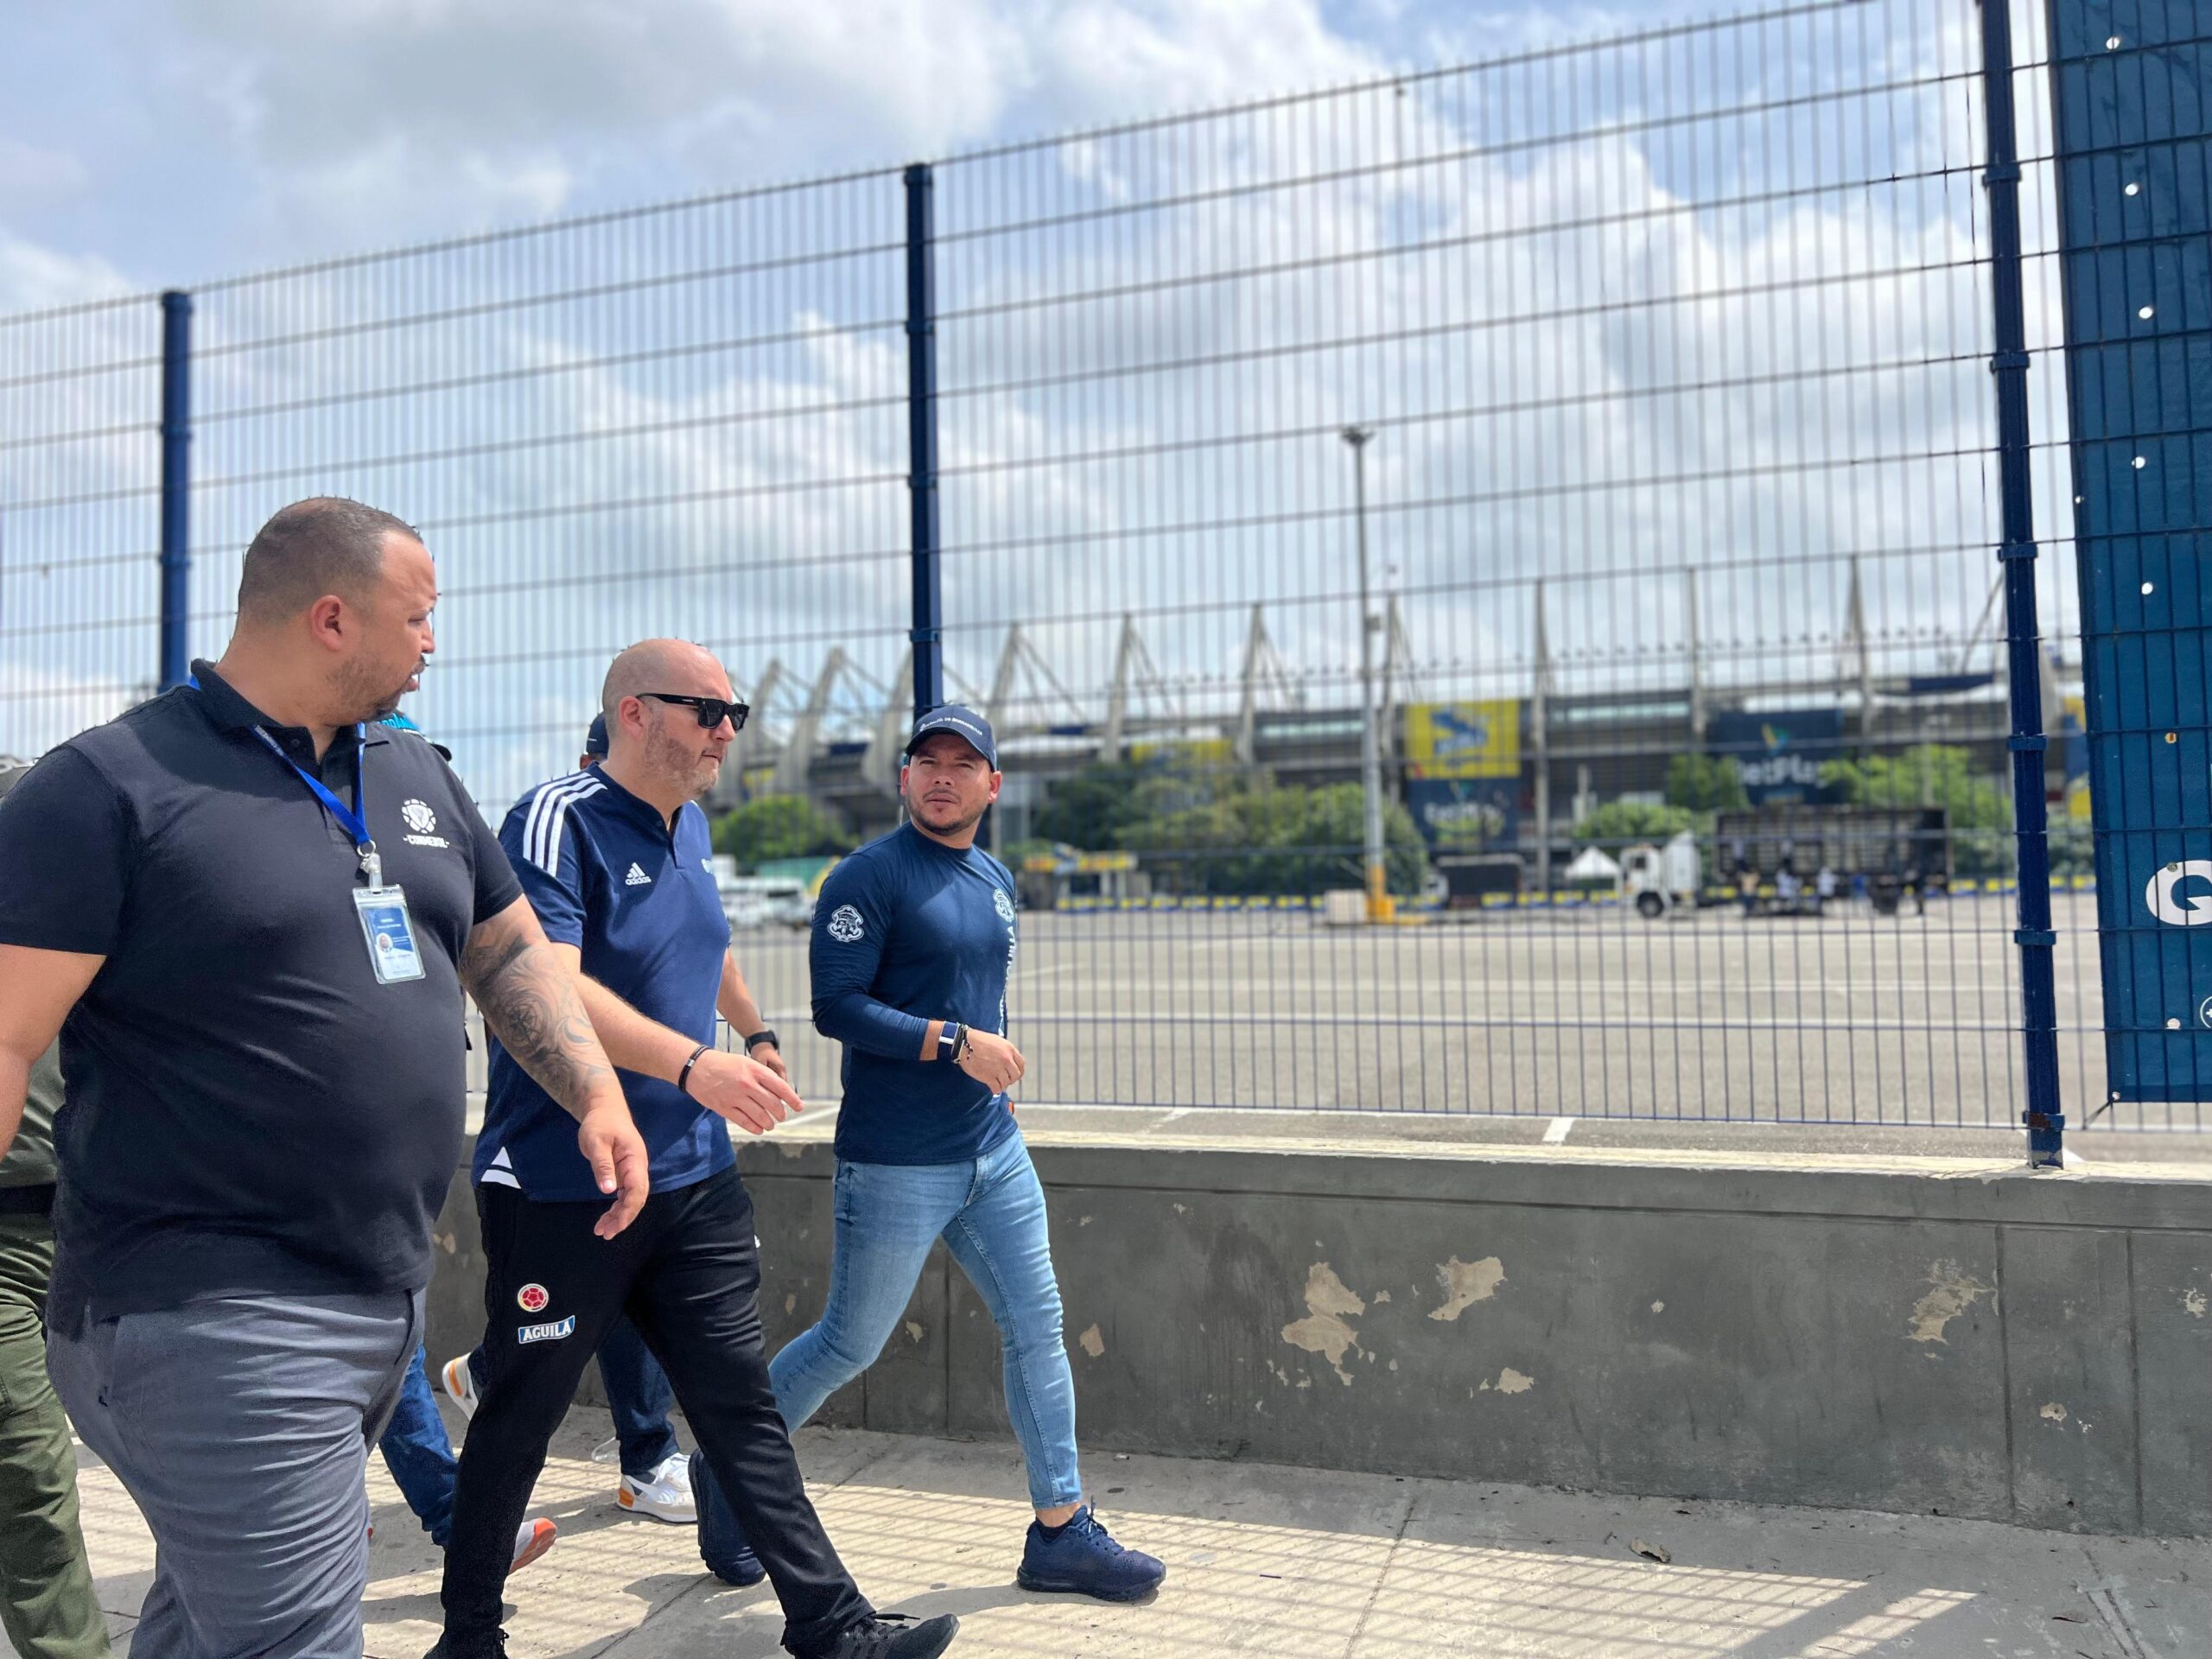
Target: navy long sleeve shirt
907 930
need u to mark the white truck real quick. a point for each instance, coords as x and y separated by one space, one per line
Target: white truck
1658 879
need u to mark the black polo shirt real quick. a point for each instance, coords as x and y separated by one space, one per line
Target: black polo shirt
249 1110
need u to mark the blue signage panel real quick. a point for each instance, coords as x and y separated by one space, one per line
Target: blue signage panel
2129 82
1778 755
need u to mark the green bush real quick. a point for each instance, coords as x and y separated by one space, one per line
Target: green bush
1622 823
1232 831
778 826
1936 774
1705 783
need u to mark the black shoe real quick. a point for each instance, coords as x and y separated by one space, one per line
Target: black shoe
892 1635
493 1645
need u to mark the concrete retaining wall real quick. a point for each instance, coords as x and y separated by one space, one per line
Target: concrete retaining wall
1916 1338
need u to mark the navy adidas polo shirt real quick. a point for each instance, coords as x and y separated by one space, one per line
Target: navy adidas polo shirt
606 873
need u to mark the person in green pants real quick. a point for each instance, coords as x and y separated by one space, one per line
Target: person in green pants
47 1604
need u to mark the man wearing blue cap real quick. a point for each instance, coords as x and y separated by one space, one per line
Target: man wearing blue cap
914 938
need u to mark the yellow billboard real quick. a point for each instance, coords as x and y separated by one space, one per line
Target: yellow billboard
1463 739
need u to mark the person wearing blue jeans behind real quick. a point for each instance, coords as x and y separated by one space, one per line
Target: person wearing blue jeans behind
913 937
638 1398
422 1462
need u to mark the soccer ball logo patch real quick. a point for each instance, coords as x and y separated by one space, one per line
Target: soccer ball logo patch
1004 902
845 924
419 817
531 1299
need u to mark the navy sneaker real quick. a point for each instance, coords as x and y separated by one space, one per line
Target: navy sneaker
891 1635
1082 1559
721 1540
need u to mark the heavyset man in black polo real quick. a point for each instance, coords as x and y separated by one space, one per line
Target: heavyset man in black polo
256 914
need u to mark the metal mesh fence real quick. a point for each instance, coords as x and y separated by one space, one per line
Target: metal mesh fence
1673 354
1679 616
80 411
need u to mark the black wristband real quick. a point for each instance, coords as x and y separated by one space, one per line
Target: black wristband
684 1076
764 1035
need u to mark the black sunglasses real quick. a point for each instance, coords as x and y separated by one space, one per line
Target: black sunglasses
712 711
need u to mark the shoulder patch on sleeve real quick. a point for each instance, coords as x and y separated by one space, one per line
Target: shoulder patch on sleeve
846 926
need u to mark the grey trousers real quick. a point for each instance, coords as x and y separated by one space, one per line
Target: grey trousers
242 1428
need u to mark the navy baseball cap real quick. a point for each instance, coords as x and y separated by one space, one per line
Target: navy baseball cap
963 723
595 738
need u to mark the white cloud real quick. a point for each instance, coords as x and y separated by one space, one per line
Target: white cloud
34 175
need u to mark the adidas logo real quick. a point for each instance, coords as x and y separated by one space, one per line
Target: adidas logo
636 878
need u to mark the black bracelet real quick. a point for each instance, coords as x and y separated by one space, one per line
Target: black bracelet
684 1076
764 1035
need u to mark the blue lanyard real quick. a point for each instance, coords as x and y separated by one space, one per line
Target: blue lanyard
352 819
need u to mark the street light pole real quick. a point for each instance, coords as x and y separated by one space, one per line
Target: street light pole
1379 906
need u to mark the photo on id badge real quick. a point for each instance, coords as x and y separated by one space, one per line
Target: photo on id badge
390 934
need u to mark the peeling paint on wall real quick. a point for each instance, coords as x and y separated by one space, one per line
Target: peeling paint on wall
1323 1331
1950 1293
790 1303
1658 1307
2053 1413
913 1331
2194 1301
1091 1343
1381 1297
1466 1283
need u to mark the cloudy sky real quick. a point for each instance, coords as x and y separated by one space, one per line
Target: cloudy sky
144 144
1695 324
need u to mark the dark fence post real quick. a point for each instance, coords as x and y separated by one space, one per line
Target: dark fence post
928 624
176 488
2008 365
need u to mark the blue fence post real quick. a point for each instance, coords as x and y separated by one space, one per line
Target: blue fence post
176 487
2016 552
927 628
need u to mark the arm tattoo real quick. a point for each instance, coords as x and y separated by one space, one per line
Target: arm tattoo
531 1006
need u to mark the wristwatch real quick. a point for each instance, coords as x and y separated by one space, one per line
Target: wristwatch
760 1037
952 1041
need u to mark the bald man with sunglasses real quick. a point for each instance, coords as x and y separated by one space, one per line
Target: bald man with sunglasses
616 862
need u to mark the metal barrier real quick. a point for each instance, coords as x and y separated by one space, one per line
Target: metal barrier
1624 453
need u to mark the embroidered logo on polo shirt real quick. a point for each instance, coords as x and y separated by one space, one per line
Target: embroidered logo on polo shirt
420 822
553 1332
846 926
636 878
1003 903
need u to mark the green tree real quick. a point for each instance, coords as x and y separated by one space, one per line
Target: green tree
1705 783
1621 823
1334 837
1091 808
778 826
1935 774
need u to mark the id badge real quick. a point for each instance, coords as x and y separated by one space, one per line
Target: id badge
390 932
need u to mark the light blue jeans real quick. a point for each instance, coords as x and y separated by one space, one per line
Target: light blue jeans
990 1212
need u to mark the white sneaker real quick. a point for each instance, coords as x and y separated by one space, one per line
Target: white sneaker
459 1387
666 1495
534 1539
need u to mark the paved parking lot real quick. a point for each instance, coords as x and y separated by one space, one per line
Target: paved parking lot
1586 1013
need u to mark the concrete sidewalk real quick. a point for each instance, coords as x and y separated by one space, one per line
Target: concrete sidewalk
1277 1562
